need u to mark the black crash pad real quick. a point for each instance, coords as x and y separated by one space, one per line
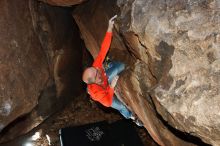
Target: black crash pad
120 133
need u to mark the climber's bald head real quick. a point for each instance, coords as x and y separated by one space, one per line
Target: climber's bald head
92 75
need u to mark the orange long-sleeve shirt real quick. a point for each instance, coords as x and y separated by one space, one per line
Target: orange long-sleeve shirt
102 93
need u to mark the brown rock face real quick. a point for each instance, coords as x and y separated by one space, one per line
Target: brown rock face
181 39
23 64
41 64
63 2
172 50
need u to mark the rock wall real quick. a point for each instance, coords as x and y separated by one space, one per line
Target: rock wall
172 50
41 64
181 40
23 64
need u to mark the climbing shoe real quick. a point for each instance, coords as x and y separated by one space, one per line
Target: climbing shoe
138 122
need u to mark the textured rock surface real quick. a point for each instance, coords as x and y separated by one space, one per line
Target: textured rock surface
43 47
172 48
23 64
181 40
63 2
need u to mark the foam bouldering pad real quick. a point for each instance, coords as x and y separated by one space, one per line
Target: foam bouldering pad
119 133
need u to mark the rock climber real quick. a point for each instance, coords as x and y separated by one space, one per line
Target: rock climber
101 80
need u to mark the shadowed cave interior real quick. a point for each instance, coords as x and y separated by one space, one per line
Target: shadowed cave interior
60 40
